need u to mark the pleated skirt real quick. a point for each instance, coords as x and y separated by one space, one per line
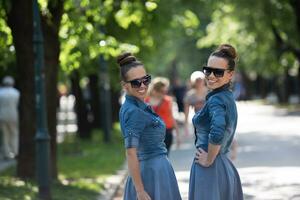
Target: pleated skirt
220 181
158 178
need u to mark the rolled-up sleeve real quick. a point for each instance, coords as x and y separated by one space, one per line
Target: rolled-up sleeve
133 128
217 112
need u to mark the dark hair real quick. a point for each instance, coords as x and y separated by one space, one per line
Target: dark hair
227 52
126 62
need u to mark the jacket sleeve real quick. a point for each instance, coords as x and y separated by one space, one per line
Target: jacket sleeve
217 113
134 126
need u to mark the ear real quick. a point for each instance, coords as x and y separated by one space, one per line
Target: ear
124 85
231 74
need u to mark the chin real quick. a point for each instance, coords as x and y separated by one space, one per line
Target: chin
212 87
141 96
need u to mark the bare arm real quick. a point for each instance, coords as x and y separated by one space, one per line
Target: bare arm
134 170
186 117
175 126
186 112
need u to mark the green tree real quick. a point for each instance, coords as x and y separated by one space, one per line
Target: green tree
264 33
18 16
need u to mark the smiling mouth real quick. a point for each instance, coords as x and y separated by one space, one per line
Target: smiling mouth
212 81
142 91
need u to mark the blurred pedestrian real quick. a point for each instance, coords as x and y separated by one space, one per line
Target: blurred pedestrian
239 91
213 176
195 97
179 90
9 100
151 175
162 104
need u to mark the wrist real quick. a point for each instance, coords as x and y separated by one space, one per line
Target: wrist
208 163
139 189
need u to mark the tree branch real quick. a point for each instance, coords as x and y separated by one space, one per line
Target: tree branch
282 45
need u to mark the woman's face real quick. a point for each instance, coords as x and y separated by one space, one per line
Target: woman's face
133 74
159 94
199 84
214 82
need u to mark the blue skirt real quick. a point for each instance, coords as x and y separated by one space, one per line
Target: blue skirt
220 181
158 178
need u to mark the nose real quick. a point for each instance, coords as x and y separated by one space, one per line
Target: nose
143 85
211 75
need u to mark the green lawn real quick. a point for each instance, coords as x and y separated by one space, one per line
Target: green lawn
82 165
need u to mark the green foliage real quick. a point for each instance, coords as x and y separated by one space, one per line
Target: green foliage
162 33
83 167
7 49
156 31
248 26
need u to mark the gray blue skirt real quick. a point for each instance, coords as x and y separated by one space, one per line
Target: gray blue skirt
158 178
220 181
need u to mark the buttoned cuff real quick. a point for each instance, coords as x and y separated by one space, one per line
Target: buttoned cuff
131 142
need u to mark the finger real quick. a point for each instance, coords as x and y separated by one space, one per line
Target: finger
201 150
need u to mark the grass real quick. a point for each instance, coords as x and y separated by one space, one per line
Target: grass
82 165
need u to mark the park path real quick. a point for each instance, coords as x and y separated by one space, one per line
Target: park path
268 158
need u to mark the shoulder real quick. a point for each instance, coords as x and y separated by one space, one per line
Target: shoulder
216 99
147 99
223 98
130 109
168 98
16 92
190 94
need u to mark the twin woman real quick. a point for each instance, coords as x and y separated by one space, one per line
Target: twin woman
151 176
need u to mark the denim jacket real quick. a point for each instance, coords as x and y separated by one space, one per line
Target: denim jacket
216 122
142 128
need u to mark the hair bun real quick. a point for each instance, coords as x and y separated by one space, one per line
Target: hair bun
125 59
228 50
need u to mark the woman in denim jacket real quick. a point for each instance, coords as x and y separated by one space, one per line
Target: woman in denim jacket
151 176
213 176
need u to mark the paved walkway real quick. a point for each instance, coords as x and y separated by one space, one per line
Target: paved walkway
268 154
4 164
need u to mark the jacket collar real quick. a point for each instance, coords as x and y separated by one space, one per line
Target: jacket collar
217 90
141 104
136 101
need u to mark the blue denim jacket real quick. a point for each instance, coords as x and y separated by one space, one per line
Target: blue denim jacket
142 128
216 122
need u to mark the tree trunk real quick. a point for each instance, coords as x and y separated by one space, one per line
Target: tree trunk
95 100
51 27
19 19
115 105
51 49
282 88
261 87
84 129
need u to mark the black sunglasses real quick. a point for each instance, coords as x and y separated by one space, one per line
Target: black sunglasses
136 83
216 71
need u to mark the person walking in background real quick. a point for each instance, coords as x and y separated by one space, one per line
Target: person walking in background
162 104
178 90
239 91
151 175
195 97
9 101
213 176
